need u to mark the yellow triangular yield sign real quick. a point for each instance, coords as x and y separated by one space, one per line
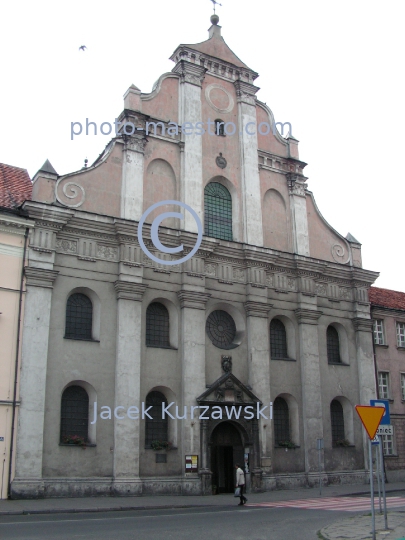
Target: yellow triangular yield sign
370 417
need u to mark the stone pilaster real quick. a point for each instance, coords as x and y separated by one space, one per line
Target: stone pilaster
127 383
132 177
259 372
251 194
365 366
299 218
193 361
34 360
204 472
311 384
191 181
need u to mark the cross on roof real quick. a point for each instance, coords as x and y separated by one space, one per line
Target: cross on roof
216 3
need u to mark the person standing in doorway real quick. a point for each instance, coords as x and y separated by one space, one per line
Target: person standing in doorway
240 483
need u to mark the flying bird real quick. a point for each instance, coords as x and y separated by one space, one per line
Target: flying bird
82 47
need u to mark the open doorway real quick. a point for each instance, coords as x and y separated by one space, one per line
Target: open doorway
226 451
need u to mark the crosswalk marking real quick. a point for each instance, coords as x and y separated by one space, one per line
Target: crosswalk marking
344 504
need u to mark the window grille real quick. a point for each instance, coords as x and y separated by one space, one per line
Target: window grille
217 212
157 428
281 421
383 385
278 339
332 339
401 334
221 329
219 127
79 317
74 413
378 332
337 421
157 326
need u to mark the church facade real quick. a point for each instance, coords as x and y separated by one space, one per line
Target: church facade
265 331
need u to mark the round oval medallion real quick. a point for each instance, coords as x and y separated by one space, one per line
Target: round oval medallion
219 98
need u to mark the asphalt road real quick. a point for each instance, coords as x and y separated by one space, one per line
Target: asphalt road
178 524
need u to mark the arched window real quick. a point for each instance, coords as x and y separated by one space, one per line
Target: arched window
337 421
332 343
79 317
278 340
157 428
281 421
157 326
220 127
74 417
217 211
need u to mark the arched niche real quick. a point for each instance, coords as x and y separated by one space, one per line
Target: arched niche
160 185
275 221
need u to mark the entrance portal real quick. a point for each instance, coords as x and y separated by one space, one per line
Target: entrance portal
226 451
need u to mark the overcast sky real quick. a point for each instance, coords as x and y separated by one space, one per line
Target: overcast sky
334 70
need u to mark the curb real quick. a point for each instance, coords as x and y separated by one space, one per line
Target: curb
110 509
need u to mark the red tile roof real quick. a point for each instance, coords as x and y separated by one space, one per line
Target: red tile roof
386 298
15 186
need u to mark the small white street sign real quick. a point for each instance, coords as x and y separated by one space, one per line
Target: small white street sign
385 430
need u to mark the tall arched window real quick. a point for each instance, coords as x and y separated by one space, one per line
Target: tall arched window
79 317
333 348
278 340
281 421
157 428
157 326
337 421
74 413
217 211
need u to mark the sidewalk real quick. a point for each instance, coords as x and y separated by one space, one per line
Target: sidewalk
359 528
105 504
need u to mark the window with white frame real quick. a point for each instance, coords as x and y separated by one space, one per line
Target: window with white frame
401 334
378 332
388 445
383 384
403 386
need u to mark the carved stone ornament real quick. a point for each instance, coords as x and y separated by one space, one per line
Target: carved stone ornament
68 246
210 269
226 362
70 190
107 252
221 161
338 254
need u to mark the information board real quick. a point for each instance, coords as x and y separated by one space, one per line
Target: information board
191 464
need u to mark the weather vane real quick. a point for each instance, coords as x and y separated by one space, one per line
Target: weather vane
216 3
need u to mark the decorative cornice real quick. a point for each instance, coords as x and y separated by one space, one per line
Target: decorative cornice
190 73
257 309
362 325
128 290
40 277
193 299
307 316
245 92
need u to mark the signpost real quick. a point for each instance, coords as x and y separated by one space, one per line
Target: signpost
385 428
371 417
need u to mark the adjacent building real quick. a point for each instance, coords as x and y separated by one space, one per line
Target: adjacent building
15 188
270 313
388 313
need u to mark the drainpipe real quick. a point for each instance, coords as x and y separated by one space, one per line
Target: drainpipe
17 353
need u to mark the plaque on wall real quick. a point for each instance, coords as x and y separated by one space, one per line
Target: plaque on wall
191 464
